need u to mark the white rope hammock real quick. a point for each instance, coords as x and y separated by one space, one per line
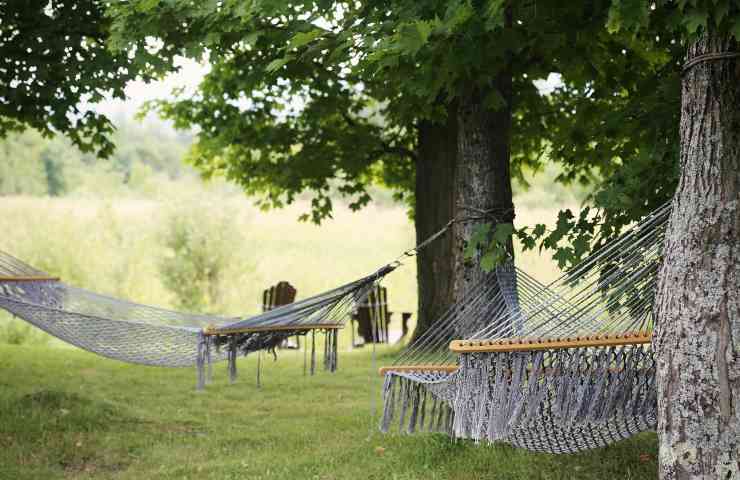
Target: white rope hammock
557 368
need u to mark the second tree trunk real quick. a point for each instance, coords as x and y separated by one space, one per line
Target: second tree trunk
482 181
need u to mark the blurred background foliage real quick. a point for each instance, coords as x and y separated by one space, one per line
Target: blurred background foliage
143 225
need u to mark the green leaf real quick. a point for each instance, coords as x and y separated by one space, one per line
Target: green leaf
455 16
580 246
694 20
251 38
488 261
212 38
492 258
528 243
276 65
147 5
413 36
562 255
630 15
563 225
478 238
304 38
503 233
735 30
495 14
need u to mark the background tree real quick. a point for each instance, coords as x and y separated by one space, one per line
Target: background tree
33 165
55 64
697 339
197 255
333 97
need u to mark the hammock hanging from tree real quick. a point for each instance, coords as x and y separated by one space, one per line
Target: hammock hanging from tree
142 334
558 368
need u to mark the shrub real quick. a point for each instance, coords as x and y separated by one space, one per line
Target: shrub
198 242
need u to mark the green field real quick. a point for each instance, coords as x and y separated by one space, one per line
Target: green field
69 414
114 245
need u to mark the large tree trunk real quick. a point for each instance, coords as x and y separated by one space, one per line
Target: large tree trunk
483 181
697 340
435 206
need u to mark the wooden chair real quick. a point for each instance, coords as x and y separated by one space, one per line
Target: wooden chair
278 295
373 317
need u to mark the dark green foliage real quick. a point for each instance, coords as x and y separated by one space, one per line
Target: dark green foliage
306 96
621 121
53 60
278 123
684 19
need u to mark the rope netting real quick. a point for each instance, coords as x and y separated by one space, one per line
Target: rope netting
557 368
142 334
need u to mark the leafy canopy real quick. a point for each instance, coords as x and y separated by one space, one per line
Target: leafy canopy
310 96
55 63
625 121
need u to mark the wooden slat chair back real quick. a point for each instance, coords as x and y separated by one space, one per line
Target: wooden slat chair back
373 318
278 295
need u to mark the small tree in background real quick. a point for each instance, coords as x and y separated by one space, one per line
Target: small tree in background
198 251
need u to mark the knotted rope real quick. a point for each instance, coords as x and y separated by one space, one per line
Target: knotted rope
707 57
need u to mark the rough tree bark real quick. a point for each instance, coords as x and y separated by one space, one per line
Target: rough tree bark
697 339
483 179
435 201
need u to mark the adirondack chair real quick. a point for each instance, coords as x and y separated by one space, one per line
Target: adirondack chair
372 318
278 295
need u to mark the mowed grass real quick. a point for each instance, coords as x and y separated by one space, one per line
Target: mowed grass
72 415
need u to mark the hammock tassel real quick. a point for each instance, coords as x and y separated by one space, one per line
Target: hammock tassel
200 362
313 352
259 368
335 351
209 361
231 356
432 415
415 404
423 407
305 358
389 402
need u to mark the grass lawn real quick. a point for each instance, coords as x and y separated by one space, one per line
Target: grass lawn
69 414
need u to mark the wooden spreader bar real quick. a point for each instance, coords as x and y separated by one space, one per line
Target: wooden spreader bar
29 279
210 330
528 344
418 368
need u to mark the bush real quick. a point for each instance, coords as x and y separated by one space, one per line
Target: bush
199 241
